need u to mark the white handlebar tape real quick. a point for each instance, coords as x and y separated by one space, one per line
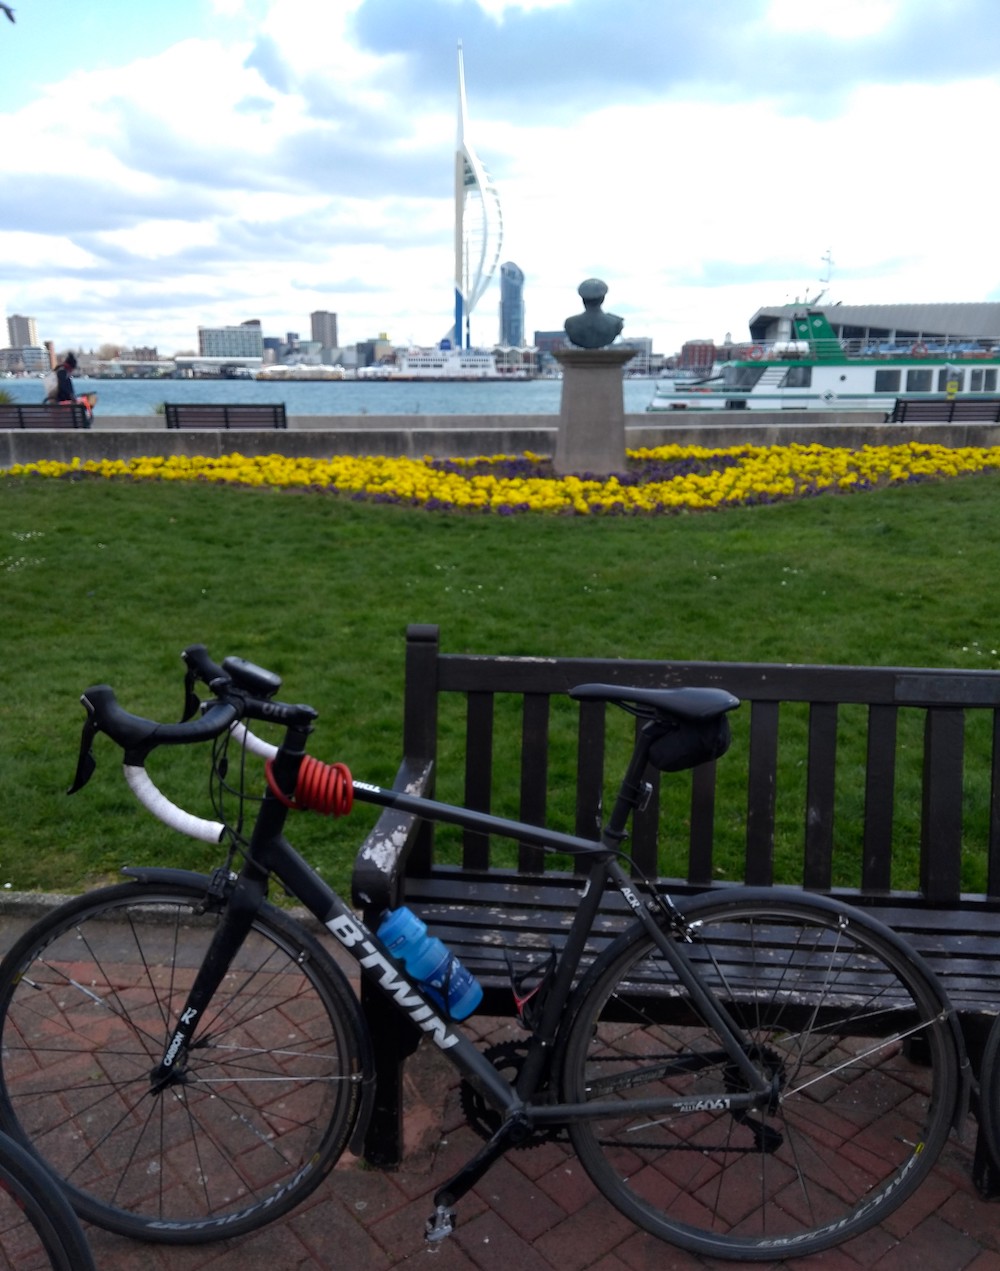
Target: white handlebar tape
250 741
196 827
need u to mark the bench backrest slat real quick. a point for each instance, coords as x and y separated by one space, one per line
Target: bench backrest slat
702 837
763 785
534 775
941 819
843 767
589 771
478 775
993 850
820 796
880 791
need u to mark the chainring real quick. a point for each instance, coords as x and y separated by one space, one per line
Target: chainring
507 1058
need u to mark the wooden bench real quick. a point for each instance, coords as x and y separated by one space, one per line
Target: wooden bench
42 415
971 410
836 775
213 415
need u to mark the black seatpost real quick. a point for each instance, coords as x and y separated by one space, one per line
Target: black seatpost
631 790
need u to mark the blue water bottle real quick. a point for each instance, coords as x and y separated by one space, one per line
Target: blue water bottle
435 968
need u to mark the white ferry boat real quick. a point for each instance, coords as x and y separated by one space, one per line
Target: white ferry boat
817 371
444 364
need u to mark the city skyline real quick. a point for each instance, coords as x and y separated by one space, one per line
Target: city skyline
310 166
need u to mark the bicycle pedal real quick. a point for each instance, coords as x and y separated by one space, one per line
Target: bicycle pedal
440 1224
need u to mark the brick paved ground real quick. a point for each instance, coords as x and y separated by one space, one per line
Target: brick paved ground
536 1211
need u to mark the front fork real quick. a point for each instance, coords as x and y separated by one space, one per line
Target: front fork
242 906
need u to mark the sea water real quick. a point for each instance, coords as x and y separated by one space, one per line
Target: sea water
332 397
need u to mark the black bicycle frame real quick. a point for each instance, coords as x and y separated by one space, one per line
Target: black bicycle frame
270 853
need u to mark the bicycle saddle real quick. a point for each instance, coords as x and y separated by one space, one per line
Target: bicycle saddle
678 703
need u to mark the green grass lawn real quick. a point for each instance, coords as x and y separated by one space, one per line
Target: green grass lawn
106 581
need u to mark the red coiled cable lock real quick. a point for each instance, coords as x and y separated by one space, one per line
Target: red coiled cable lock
325 788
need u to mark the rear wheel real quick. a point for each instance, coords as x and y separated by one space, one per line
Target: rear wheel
259 1107
852 1036
989 1098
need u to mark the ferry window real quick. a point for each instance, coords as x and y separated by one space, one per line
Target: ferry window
741 376
919 380
797 377
887 381
983 381
950 375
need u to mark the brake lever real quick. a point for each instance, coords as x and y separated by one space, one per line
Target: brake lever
192 702
86 764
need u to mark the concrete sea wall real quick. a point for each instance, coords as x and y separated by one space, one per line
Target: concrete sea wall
463 436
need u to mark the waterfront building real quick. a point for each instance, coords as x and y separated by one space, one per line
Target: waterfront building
371 352
511 305
324 328
31 359
546 342
242 341
892 324
478 223
641 363
22 332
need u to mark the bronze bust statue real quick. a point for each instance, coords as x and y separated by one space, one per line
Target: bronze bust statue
593 329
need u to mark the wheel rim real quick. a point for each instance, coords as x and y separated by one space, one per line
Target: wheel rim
260 1104
856 1121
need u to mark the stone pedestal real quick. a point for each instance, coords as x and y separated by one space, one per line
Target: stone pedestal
592 411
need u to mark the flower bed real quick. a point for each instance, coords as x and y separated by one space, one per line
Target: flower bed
657 481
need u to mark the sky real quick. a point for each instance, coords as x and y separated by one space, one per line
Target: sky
206 162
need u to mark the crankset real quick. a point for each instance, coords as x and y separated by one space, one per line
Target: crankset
507 1058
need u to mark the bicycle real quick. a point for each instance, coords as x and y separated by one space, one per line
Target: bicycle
747 1073
38 1228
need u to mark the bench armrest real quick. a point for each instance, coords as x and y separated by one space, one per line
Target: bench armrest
380 864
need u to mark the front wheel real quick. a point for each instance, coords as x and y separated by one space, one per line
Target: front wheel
851 1034
259 1107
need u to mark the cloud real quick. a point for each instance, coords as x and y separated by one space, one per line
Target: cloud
262 159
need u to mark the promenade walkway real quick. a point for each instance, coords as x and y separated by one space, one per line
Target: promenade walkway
535 1211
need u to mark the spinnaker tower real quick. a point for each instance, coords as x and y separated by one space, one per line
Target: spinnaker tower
478 223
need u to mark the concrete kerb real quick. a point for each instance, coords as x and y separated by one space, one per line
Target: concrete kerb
442 437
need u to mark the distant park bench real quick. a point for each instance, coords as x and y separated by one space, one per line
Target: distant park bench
960 410
210 415
42 415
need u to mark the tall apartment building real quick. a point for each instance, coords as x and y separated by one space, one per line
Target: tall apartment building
245 340
324 329
511 305
22 332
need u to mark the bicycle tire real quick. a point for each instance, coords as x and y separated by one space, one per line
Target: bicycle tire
824 996
989 1099
38 1229
263 1105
